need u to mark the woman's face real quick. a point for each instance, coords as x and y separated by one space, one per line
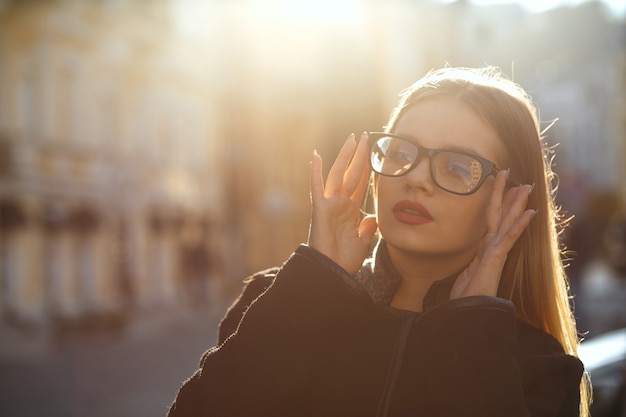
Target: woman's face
416 216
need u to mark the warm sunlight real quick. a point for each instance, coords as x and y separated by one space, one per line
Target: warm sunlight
154 154
618 7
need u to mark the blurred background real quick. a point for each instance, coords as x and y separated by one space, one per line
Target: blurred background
153 153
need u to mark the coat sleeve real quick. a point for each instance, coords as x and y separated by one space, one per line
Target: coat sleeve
476 359
266 363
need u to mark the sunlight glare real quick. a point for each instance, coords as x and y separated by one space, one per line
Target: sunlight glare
308 12
618 7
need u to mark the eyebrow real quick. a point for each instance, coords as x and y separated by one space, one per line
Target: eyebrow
462 149
446 146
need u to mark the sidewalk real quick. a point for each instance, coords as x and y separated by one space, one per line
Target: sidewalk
135 372
146 323
23 343
43 340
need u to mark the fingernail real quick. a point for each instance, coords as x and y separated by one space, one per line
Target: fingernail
508 172
351 137
532 187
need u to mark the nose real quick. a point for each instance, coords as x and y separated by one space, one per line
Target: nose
420 177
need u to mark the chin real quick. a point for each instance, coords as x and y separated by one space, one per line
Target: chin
410 243
425 245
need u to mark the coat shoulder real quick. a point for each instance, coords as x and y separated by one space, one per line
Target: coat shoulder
253 287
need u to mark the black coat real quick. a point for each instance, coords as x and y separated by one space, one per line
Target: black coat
314 344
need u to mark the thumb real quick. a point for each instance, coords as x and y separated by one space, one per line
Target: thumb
367 228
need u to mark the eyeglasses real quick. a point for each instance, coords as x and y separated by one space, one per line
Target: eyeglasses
456 172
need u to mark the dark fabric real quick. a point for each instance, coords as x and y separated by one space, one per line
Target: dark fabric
378 276
253 287
303 340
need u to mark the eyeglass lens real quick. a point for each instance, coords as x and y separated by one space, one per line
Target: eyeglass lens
452 171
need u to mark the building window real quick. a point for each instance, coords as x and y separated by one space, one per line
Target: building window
28 96
67 105
52 273
8 275
87 285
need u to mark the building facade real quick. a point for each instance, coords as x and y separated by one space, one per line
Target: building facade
105 159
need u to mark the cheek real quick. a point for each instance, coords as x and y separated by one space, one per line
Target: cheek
380 193
473 215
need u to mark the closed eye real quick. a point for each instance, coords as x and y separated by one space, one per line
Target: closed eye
460 170
400 156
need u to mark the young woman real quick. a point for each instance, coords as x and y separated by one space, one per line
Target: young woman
462 308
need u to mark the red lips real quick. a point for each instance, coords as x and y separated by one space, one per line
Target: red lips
411 212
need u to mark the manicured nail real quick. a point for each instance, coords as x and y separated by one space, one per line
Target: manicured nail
532 187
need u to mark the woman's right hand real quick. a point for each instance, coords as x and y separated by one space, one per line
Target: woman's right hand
336 228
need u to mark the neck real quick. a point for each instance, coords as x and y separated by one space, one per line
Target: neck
418 273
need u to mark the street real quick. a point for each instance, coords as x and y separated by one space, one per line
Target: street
134 374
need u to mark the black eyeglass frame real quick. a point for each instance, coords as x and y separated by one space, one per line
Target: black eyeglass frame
488 167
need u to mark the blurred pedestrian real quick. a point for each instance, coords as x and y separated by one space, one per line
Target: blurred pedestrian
460 310
195 273
592 242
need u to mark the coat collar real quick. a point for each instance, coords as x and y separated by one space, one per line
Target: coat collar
380 279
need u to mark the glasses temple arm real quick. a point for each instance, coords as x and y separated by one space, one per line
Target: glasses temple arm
509 183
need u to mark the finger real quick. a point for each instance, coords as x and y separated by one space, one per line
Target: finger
515 231
494 208
334 184
353 177
364 182
317 179
516 208
361 191
509 197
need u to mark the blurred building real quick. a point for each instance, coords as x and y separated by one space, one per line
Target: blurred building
105 160
148 147
575 76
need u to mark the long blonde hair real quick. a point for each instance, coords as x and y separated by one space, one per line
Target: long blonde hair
533 278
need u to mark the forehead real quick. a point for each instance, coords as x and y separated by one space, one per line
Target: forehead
447 122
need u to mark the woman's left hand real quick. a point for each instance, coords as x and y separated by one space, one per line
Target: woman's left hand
507 217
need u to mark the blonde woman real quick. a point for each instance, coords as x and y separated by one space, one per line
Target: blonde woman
462 308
